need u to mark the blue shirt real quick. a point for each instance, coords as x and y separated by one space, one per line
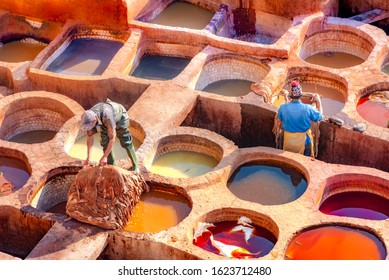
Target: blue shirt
297 116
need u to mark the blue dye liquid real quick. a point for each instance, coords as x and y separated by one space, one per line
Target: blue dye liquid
267 185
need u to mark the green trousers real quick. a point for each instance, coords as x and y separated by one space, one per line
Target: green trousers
124 136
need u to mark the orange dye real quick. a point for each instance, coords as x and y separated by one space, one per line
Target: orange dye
156 211
335 243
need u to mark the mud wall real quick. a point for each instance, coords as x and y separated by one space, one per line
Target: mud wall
290 9
339 145
244 124
348 8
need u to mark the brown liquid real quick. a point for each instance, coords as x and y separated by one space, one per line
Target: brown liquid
79 149
232 87
156 211
33 137
335 243
19 51
60 208
181 14
183 164
14 171
335 59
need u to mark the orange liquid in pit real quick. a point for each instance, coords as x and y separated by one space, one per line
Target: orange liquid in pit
157 211
335 243
374 112
259 244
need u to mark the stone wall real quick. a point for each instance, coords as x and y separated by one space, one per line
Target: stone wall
230 67
54 191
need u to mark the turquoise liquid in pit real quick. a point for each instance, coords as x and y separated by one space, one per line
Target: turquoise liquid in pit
267 185
85 57
158 67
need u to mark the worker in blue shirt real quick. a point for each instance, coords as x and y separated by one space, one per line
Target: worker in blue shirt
296 119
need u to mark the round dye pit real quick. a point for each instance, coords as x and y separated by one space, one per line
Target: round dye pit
335 243
336 60
20 51
332 100
14 171
85 56
375 108
356 204
158 67
79 149
183 14
183 164
233 87
158 210
267 184
236 240
34 136
52 195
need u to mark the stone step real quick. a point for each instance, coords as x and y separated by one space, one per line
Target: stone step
75 241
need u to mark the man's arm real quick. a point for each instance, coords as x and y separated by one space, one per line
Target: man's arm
89 145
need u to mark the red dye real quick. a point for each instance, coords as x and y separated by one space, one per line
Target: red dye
374 112
356 204
258 245
335 243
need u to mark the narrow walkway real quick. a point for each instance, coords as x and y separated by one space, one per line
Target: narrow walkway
170 105
371 16
74 241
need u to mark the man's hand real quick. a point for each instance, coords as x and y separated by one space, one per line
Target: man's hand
103 161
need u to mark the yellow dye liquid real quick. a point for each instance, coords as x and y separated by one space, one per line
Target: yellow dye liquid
156 211
79 149
181 14
19 51
280 99
183 164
